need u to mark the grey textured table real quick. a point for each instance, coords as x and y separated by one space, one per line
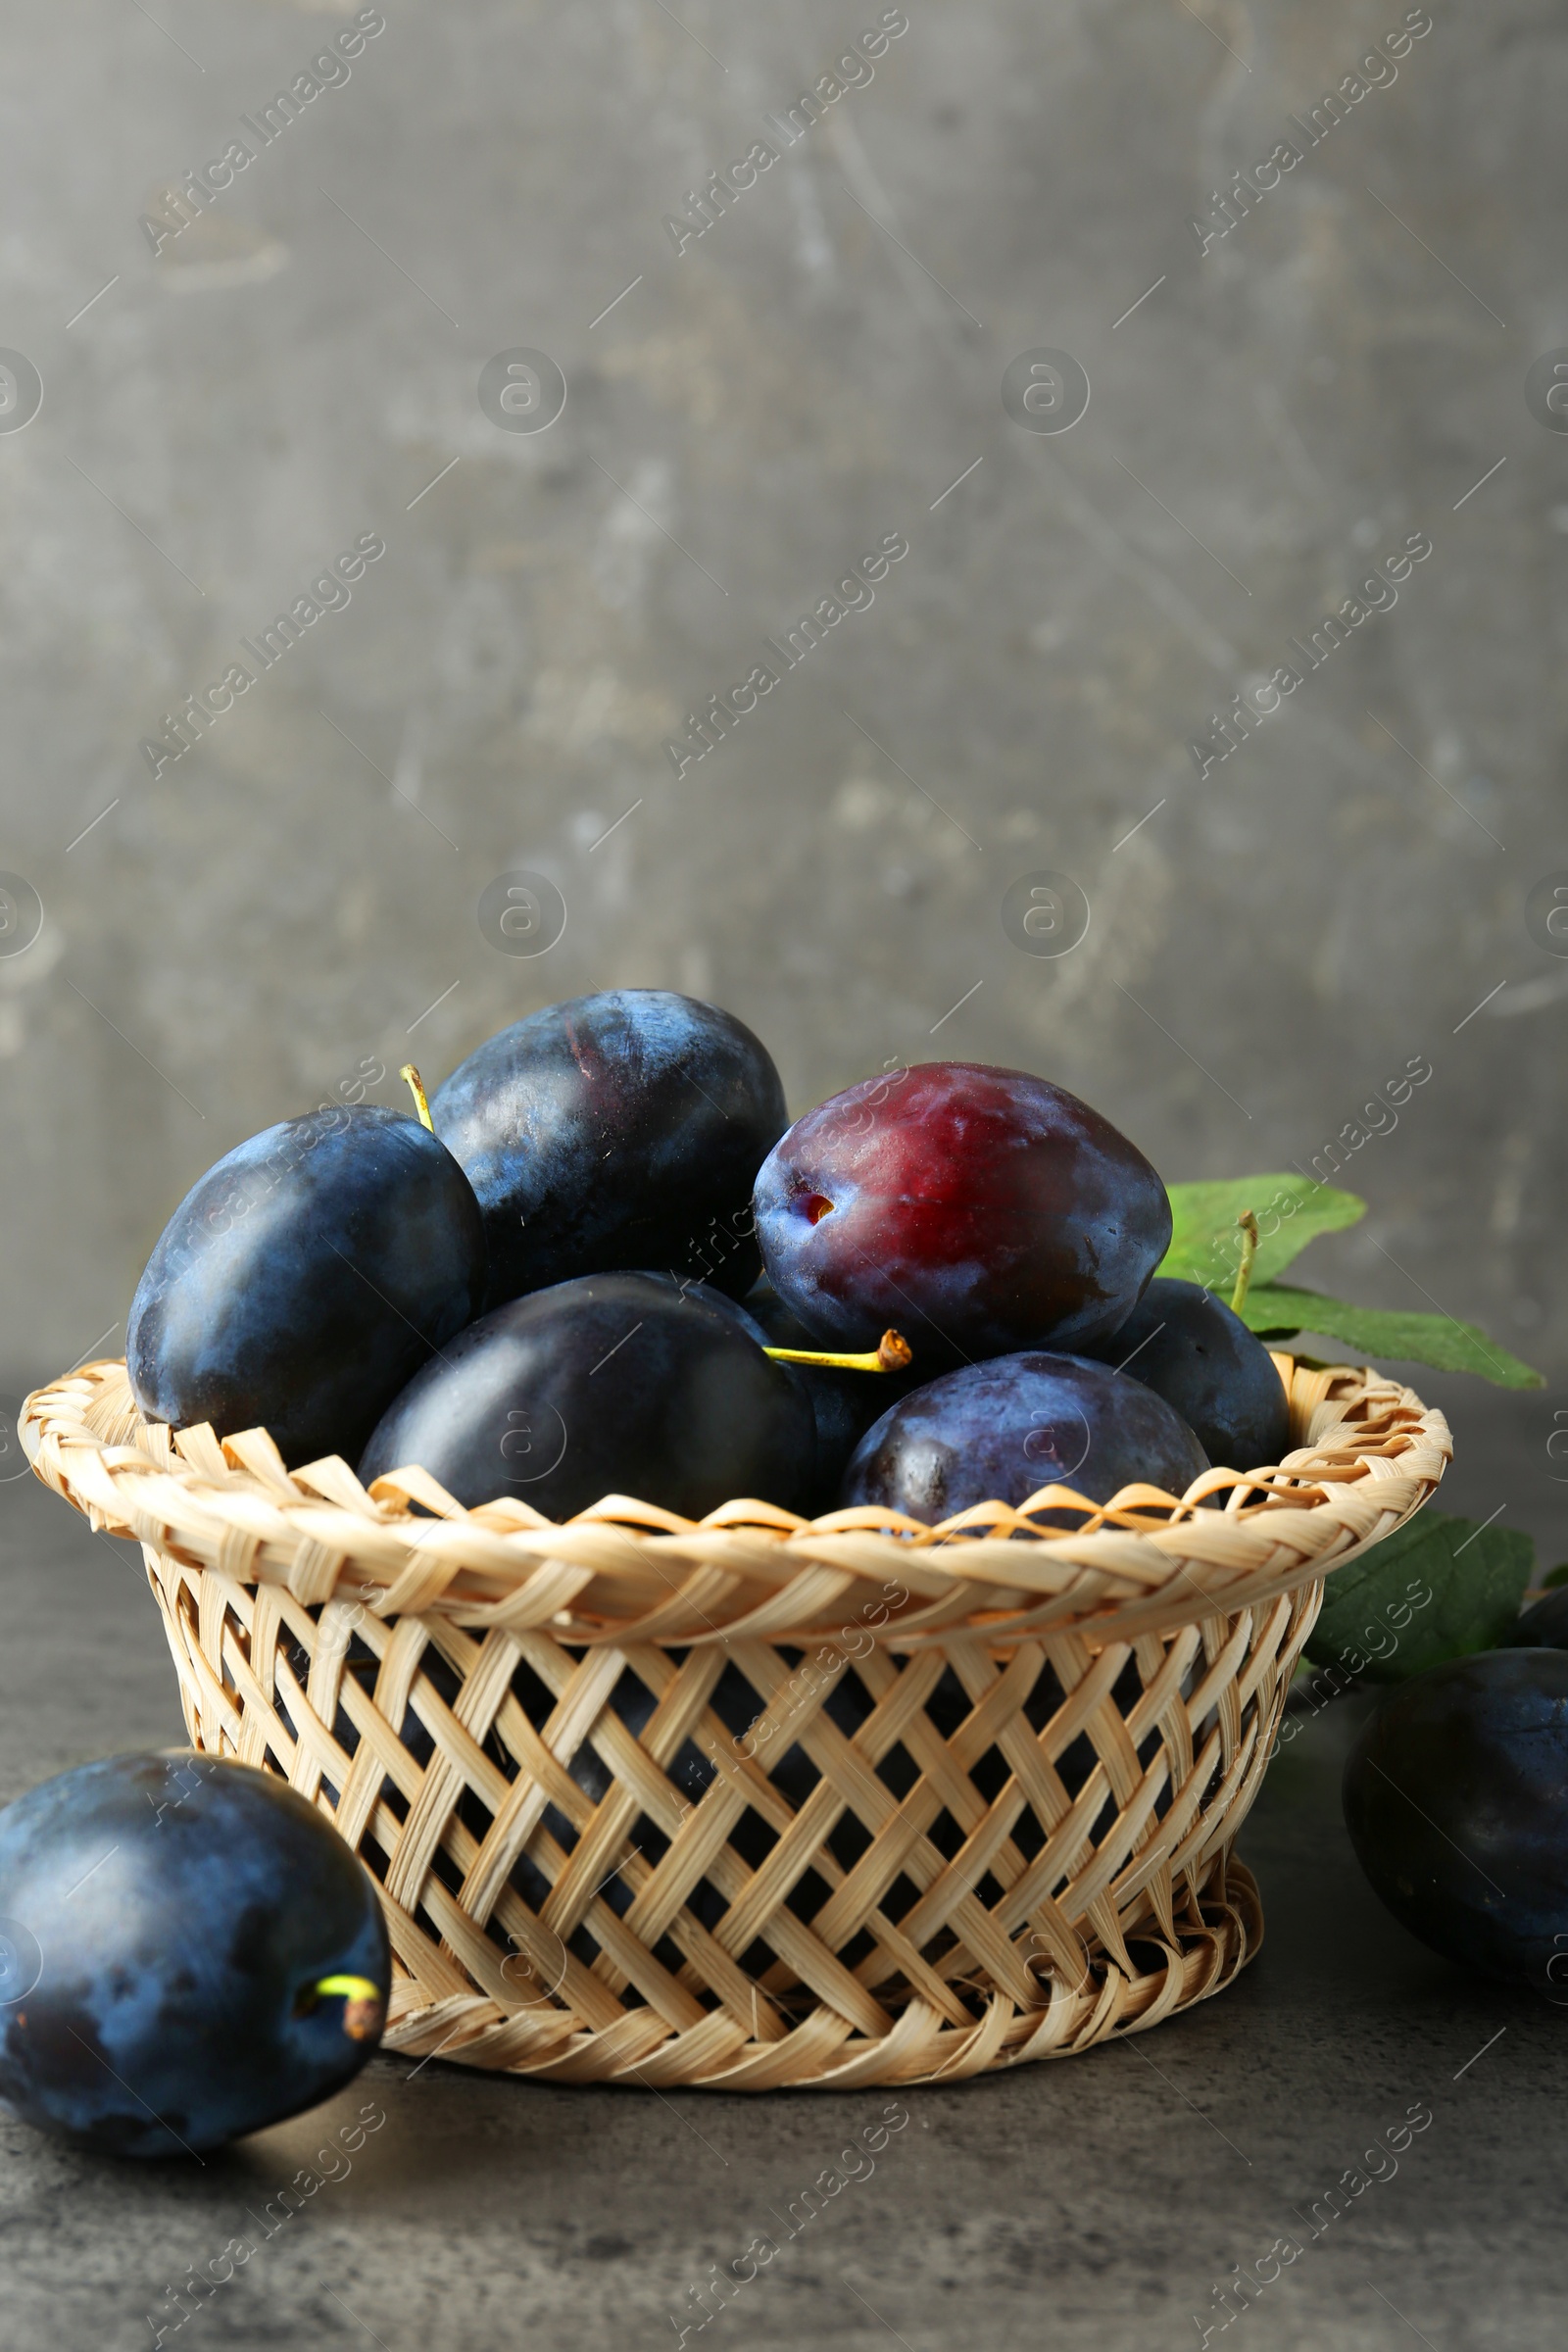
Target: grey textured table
1099 2200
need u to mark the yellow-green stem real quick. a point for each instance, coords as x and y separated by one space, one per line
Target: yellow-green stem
1244 1272
354 1988
893 1353
416 1086
364 2004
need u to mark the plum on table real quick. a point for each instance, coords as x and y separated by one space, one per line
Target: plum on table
999 1430
1189 1348
609 1384
1456 1801
1543 1627
979 1210
301 1284
613 1132
193 1953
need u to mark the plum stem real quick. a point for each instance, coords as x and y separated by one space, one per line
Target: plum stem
891 1354
356 1989
1244 1272
364 2004
416 1086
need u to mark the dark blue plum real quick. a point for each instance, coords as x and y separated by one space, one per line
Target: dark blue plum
1187 1345
978 1210
1543 1626
613 1383
613 1132
738 1310
173 1927
997 1432
1456 1802
844 1404
304 1280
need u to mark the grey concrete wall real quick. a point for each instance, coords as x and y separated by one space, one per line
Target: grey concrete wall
288 900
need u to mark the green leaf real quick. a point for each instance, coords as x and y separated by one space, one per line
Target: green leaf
1278 1309
1439 1587
1205 1246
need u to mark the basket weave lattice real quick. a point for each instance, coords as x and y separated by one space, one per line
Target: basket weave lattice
758 1802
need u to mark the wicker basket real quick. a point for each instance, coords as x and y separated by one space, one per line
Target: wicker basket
758 1802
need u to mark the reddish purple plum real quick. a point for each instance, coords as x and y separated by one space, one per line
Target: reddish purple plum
976 1210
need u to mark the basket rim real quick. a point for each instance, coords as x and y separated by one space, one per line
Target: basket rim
626 1571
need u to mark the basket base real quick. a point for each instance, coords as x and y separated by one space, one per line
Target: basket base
1221 1933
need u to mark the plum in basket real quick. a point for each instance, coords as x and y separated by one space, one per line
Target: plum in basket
613 1383
302 1283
